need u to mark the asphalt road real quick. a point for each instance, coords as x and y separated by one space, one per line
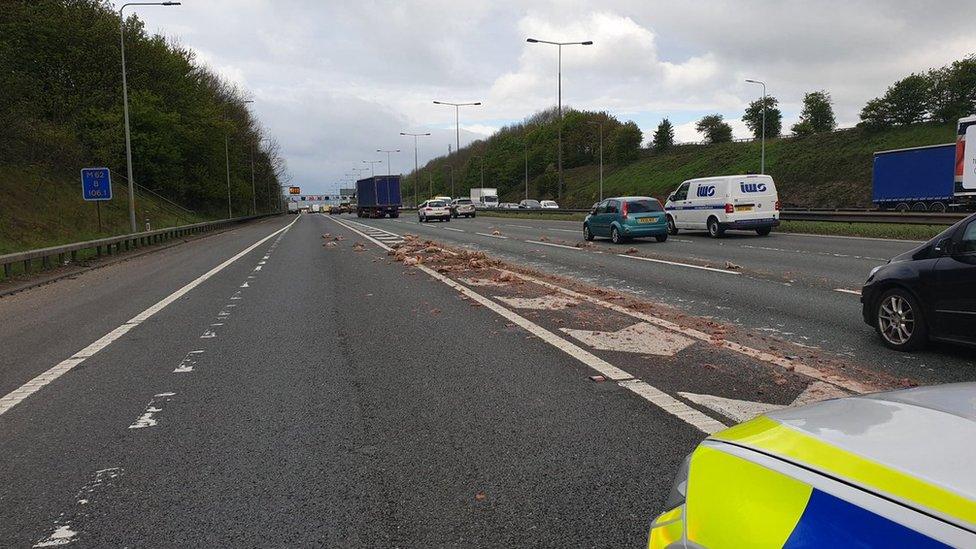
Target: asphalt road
270 387
796 287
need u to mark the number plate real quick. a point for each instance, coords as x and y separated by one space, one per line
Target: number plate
743 208
643 220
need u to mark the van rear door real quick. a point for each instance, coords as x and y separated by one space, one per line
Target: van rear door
754 197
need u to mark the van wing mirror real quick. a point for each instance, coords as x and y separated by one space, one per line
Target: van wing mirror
670 198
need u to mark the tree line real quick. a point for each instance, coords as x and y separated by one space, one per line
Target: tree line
528 150
60 72
939 95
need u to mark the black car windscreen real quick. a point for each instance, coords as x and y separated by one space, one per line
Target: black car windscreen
642 206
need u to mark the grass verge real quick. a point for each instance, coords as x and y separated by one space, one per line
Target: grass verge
895 231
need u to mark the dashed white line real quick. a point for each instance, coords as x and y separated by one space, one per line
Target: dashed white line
489 235
565 230
553 245
521 226
846 291
18 395
147 419
189 361
453 229
690 266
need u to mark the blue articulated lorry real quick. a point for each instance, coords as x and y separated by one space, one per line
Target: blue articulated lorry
936 178
378 196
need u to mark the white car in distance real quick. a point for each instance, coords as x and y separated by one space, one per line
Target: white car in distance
433 209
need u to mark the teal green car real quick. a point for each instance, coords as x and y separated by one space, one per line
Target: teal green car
626 217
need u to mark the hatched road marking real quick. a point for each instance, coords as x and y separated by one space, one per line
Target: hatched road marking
641 338
655 396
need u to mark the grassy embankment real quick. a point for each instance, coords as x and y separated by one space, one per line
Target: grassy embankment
40 209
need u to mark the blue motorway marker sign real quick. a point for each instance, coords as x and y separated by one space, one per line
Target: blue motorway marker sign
96 184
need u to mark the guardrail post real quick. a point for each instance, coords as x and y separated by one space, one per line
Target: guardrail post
6 270
46 262
74 256
27 265
61 261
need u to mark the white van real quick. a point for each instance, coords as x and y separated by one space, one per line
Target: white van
716 204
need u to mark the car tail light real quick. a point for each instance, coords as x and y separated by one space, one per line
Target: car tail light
428 209
777 205
729 208
623 209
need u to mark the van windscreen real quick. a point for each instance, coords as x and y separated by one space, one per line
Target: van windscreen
641 206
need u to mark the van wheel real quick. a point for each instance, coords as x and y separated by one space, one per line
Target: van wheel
899 321
615 236
587 235
764 231
672 228
714 230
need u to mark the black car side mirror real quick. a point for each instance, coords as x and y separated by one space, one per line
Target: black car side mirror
943 247
592 211
670 198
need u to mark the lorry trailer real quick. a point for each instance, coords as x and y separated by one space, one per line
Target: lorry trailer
378 196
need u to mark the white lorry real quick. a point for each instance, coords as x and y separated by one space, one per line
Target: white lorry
484 197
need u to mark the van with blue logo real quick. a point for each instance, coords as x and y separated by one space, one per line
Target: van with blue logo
717 204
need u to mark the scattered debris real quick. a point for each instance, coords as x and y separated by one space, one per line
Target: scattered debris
631 251
732 266
598 378
496 233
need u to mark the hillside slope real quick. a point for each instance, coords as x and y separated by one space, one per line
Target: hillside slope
826 170
39 209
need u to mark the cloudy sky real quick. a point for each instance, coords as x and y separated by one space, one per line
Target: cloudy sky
336 80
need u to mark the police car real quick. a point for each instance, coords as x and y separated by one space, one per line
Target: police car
716 204
891 469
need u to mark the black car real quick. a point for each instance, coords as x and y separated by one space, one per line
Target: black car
926 293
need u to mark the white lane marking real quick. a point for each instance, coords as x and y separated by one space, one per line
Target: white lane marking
189 361
733 408
643 337
554 302
521 226
674 406
18 395
63 533
795 366
155 406
258 268
826 254
245 285
712 269
682 240
846 291
217 324
453 229
565 230
265 257
817 391
653 395
482 282
541 243
493 235
850 237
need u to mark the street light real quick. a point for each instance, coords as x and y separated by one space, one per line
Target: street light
371 163
559 46
457 119
125 108
482 158
600 124
762 162
416 164
388 164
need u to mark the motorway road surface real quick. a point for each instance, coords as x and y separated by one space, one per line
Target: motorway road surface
802 288
267 386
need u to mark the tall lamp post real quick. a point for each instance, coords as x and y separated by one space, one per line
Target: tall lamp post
371 163
389 170
125 108
416 164
600 124
457 119
559 85
762 161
